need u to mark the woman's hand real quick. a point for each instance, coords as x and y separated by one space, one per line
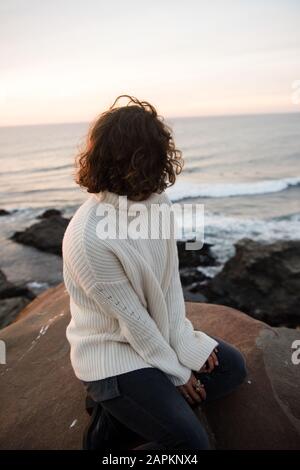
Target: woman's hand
193 391
211 362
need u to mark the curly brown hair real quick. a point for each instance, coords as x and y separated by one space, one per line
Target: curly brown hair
129 151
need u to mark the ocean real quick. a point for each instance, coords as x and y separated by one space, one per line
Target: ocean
244 169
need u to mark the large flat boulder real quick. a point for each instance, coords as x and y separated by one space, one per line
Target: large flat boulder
42 403
264 413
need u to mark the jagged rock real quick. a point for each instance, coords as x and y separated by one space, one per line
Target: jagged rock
8 289
195 258
10 309
49 213
192 278
46 235
42 403
191 275
13 299
190 296
263 280
4 212
5 285
196 286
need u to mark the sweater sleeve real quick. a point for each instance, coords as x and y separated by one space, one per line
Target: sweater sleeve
120 300
192 347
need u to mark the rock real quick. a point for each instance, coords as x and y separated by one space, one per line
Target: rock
13 299
10 308
195 258
191 275
195 288
45 409
46 235
42 403
4 212
190 296
264 413
263 280
192 278
5 285
49 213
8 289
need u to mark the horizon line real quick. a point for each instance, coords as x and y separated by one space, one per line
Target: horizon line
166 117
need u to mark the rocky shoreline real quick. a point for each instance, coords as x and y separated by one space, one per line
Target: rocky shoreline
261 279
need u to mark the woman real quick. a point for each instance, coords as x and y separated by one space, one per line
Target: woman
132 346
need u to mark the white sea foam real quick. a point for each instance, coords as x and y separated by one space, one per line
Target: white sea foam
222 228
184 190
224 231
37 285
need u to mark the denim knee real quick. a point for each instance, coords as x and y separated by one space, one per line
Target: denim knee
194 439
239 368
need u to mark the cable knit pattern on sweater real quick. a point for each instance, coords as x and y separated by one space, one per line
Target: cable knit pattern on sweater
126 300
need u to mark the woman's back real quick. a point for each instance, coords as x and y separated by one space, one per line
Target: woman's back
128 274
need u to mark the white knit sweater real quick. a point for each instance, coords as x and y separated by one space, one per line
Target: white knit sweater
126 300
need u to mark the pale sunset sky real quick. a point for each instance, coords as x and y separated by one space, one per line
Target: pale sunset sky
67 60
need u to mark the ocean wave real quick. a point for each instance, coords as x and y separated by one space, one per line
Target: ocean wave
37 285
192 169
29 172
294 217
224 231
222 227
38 151
184 190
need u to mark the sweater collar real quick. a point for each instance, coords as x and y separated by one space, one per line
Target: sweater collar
121 202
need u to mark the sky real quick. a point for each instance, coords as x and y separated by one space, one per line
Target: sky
66 61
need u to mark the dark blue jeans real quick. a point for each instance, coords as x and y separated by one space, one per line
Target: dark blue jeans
145 404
